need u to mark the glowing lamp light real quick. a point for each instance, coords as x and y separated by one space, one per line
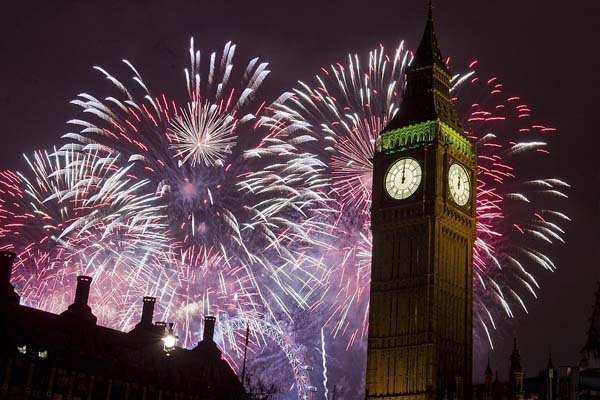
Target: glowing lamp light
169 340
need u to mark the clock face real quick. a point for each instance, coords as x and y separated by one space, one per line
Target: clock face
403 178
460 185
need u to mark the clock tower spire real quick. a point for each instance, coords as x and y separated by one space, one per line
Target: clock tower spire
423 224
427 95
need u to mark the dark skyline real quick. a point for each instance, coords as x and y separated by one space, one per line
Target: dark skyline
544 51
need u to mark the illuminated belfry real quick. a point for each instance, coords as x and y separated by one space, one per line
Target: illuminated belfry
423 223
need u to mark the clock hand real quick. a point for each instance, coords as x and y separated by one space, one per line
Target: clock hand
403 169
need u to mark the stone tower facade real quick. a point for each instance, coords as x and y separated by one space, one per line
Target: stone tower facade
423 223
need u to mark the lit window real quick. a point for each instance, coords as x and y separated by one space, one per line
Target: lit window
43 353
22 349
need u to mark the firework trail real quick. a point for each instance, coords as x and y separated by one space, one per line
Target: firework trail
343 115
324 360
240 206
518 212
78 213
343 112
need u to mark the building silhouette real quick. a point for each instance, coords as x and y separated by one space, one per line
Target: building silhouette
563 382
68 356
516 376
423 224
544 386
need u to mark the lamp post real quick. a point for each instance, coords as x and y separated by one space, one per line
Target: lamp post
169 340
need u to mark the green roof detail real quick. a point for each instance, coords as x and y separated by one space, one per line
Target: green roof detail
412 136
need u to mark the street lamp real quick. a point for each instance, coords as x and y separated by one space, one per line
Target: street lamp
169 340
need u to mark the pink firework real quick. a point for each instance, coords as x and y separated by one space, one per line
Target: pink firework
344 111
240 205
78 213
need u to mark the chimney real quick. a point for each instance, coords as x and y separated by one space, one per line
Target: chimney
145 326
147 310
7 291
6 263
207 347
82 293
80 308
209 328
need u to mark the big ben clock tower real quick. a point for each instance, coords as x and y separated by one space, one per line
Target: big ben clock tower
423 223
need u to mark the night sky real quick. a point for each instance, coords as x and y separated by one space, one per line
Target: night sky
546 51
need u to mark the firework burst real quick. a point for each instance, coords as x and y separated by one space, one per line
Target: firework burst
239 206
518 213
218 205
78 213
343 113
